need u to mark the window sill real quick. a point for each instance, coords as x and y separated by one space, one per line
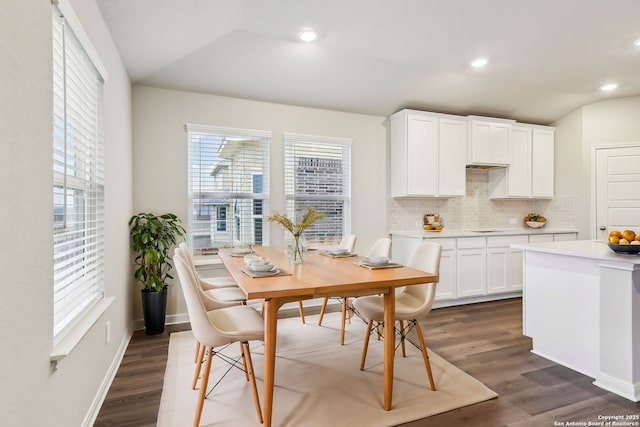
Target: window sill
63 348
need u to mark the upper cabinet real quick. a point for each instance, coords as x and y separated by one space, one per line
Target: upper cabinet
428 152
530 173
489 141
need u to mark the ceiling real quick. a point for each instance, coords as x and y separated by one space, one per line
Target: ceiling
546 57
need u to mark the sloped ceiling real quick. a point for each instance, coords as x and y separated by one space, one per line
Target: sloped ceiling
546 57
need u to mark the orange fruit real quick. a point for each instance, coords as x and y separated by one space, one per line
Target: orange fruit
637 238
439 227
428 227
542 219
614 239
623 242
615 233
629 235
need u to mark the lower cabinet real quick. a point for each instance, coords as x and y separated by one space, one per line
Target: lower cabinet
504 265
471 262
475 268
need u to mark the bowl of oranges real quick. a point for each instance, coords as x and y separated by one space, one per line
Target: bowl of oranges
624 242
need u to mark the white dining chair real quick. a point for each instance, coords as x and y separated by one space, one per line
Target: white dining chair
218 328
208 282
381 248
412 305
347 242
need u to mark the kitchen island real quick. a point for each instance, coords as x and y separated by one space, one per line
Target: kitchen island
581 307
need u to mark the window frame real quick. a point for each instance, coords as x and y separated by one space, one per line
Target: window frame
323 145
233 213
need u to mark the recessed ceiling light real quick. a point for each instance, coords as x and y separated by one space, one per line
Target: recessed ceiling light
308 34
608 87
636 42
479 63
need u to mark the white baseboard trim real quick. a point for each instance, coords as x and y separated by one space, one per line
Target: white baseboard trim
101 395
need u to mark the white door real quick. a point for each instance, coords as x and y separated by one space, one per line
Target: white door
617 190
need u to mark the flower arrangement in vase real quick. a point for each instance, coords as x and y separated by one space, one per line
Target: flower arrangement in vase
296 230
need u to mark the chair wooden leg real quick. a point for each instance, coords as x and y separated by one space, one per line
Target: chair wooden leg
425 355
203 388
301 310
344 319
402 337
249 365
244 362
322 309
365 346
195 356
196 371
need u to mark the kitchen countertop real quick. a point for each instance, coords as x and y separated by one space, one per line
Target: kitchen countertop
482 232
593 249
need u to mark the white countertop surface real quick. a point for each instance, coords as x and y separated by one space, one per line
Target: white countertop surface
481 232
593 249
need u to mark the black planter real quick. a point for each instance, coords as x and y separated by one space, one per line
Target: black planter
154 310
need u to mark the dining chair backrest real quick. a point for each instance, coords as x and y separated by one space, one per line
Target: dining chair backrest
208 302
203 329
348 242
426 258
381 248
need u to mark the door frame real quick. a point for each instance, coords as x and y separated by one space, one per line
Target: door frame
594 196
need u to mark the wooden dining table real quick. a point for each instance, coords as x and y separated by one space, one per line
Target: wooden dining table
319 276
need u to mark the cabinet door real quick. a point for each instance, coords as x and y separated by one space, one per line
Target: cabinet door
497 270
402 247
422 155
542 158
519 170
480 147
452 145
500 138
564 237
516 272
471 272
446 288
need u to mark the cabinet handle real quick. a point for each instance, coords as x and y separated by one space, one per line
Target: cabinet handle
602 227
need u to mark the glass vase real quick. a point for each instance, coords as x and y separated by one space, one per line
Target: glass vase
296 251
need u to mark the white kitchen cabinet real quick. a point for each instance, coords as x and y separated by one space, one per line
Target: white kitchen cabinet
489 141
428 152
471 266
542 162
530 174
446 288
504 264
540 238
565 237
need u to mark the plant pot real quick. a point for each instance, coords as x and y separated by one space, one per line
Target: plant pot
154 310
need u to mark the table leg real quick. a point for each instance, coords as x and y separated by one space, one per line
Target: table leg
389 345
271 308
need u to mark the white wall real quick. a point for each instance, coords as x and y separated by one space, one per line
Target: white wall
160 156
30 394
607 122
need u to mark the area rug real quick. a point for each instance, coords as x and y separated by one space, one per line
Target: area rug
318 382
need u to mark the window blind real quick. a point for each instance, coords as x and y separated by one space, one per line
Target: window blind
78 180
228 186
318 174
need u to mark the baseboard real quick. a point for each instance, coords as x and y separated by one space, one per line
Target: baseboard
101 395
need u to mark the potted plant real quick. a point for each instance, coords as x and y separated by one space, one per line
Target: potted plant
152 237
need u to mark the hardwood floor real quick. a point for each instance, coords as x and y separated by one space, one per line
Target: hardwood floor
484 340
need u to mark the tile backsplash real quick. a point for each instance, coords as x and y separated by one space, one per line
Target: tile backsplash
477 210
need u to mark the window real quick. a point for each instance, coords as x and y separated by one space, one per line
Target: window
78 179
318 174
227 186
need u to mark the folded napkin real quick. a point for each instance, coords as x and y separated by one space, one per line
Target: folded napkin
332 255
372 266
277 272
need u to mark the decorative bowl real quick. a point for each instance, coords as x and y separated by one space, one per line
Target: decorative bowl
378 260
535 224
625 249
261 266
